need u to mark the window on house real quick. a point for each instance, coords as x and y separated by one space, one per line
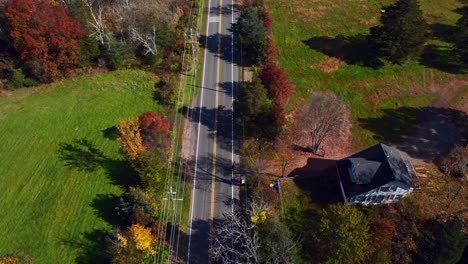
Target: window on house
384 189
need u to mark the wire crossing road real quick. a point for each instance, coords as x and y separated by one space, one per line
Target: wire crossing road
215 187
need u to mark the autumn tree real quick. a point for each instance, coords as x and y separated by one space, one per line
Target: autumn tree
271 52
277 83
130 138
342 235
266 19
155 131
44 34
135 245
402 33
323 117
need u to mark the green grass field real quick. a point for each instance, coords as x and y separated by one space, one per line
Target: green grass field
60 170
311 35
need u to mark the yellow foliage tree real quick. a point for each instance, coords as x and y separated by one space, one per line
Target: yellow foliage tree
130 138
143 238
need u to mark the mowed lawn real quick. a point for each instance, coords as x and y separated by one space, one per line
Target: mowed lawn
320 45
61 172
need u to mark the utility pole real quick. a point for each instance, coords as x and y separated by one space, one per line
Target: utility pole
172 198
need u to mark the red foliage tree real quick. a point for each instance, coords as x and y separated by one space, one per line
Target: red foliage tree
154 130
279 117
271 53
266 19
43 33
277 83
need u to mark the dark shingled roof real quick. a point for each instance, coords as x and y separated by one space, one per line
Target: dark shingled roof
374 167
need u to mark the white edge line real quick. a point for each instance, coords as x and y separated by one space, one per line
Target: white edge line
198 134
232 107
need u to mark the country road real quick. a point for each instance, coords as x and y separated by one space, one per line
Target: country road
215 186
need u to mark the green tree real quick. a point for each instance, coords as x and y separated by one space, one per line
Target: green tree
450 243
277 243
252 33
402 33
254 108
342 235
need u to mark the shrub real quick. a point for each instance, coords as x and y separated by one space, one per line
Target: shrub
117 52
165 92
42 31
271 52
266 20
18 80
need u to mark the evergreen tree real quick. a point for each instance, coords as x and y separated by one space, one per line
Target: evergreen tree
252 33
402 33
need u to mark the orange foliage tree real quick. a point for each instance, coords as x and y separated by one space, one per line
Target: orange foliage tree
44 34
130 138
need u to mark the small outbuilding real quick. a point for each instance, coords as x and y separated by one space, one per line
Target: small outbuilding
377 175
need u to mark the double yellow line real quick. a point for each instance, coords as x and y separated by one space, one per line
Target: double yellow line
215 129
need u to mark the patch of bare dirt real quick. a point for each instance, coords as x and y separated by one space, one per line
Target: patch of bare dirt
331 64
293 147
187 151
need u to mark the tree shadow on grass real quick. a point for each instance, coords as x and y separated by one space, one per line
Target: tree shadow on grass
441 58
82 155
91 247
107 207
353 50
111 133
427 133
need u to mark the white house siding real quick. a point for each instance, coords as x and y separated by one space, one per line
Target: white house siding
385 194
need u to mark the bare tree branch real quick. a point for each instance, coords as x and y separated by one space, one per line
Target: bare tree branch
148 41
323 117
235 240
99 32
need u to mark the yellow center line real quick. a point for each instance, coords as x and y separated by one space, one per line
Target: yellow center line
215 132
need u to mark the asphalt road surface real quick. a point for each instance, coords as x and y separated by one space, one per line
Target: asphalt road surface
215 187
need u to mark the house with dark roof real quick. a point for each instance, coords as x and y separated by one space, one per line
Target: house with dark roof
377 175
